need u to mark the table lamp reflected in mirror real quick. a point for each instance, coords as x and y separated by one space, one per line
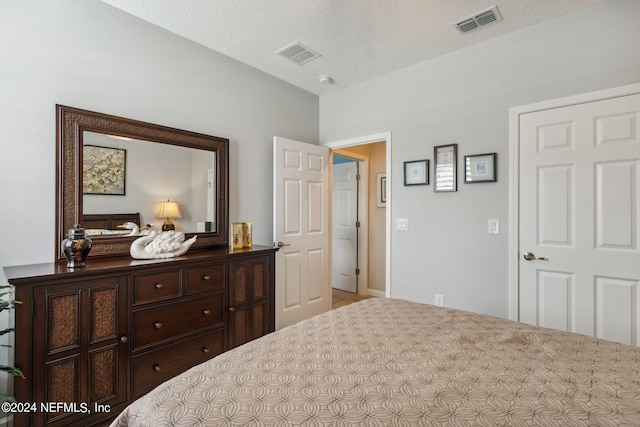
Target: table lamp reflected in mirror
168 210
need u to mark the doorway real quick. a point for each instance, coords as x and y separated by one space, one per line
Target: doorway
374 154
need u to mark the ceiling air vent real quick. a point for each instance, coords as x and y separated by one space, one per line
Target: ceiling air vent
298 53
479 19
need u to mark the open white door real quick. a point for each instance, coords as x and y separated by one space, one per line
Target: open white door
344 246
301 229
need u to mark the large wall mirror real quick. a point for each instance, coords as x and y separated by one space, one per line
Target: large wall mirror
114 170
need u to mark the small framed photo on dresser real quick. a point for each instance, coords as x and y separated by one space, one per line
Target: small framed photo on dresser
444 171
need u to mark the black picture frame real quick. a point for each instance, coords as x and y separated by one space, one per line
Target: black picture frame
445 175
416 172
480 168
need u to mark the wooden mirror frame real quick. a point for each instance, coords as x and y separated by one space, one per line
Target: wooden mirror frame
71 123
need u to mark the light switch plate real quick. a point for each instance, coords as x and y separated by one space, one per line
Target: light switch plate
494 226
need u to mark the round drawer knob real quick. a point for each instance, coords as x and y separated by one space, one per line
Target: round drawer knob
124 339
156 368
206 312
205 350
158 285
157 325
206 277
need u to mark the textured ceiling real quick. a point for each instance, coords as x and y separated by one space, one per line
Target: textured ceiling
358 39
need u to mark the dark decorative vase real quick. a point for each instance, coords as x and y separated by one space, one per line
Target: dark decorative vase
76 247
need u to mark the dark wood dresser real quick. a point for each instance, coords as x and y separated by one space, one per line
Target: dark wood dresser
93 339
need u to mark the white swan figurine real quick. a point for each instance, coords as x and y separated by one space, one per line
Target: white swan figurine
135 229
167 244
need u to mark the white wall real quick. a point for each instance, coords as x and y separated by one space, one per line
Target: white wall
89 55
464 98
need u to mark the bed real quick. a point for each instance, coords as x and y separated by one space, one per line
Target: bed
383 362
107 224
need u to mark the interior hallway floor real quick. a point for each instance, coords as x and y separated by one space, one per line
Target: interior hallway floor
342 298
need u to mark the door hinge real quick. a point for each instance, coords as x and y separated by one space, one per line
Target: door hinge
357 271
357 224
357 177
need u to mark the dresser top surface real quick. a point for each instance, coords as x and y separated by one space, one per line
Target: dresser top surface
19 274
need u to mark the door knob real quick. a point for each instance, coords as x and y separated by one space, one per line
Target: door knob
529 256
281 244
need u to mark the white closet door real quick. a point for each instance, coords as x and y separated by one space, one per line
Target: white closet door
579 215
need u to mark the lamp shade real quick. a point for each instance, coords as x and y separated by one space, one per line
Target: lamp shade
168 210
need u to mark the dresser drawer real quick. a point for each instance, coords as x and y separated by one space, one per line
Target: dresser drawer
205 278
172 320
152 368
156 286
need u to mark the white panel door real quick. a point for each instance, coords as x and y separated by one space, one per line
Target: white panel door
344 246
580 214
301 229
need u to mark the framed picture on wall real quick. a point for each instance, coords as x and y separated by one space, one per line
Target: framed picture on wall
416 172
103 170
381 189
480 168
444 171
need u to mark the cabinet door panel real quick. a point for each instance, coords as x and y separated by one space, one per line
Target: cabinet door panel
63 385
78 358
239 326
103 364
249 296
239 286
103 314
259 280
259 323
63 321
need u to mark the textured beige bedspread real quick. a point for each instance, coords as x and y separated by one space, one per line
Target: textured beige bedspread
384 362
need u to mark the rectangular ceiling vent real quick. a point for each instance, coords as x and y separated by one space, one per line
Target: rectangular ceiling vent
298 53
478 20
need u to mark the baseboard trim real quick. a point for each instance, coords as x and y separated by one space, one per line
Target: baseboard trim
379 294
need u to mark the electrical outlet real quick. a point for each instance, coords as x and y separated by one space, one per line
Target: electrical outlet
402 224
439 300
